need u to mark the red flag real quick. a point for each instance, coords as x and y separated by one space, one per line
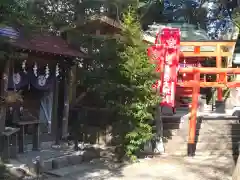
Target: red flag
170 39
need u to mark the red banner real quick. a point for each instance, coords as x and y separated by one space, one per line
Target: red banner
170 39
156 54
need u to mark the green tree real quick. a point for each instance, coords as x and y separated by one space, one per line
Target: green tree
120 76
139 97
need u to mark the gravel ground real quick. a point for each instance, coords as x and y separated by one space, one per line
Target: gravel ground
160 168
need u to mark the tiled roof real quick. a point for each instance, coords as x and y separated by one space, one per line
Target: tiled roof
40 42
48 44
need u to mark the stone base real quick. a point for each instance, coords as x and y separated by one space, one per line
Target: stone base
220 107
191 149
167 111
159 149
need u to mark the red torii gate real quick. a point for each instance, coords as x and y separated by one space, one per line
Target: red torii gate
222 49
196 84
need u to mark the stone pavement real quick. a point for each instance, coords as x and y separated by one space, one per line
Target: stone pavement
159 168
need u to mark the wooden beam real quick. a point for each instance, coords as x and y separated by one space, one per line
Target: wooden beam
233 84
208 43
193 83
204 54
210 70
219 65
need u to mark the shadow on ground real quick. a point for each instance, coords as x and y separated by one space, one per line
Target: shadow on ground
235 129
96 169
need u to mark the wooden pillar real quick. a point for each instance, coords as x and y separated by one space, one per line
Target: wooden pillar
4 88
72 82
66 107
219 65
98 32
61 104
193 116
55 120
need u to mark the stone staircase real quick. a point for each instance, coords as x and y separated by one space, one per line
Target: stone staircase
218 137
177 143
215 139
174 130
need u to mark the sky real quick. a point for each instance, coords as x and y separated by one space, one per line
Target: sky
215 27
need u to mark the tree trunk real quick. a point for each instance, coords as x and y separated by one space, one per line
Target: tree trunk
72 84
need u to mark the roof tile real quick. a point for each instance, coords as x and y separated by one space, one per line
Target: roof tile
47 43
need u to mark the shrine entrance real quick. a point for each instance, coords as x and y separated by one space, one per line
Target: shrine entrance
196 84
35 92
168 53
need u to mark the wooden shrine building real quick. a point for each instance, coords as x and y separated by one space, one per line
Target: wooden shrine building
34 88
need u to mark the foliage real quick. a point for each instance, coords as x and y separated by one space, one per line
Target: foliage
18 14
120 76
140 74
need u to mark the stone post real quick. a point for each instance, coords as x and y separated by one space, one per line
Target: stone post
159 146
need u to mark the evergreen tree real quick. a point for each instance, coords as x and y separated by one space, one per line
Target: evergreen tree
121 76
140 99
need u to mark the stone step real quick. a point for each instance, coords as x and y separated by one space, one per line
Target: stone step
208 142
219 117
218 153
218 139
215 145
224 129
213 117
171 126
233 132
68 160
171 119
182 151
184 140
214 126
65 160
